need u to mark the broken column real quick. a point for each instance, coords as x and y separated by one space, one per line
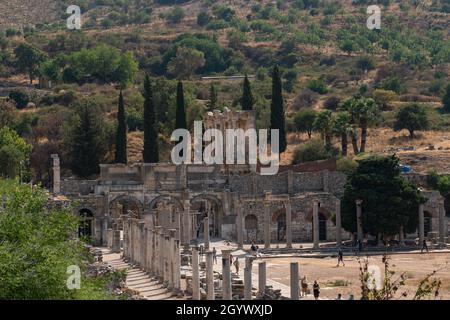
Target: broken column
209 276
295 292
266 224
421 224
316 224
176 266
262 278
442 224
360 234
338 224
226 275
248 278
240 225
288 224
195 274
142 246
56 174
206 231
186 236
157 252
167 250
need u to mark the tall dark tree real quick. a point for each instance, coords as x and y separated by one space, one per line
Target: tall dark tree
446 100
389 202
121 135
180 117
151 151
247 97
212 103
87 140
277 119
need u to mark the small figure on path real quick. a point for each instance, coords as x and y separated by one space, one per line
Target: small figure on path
316 290
214 255
424 246
236 265
339 297
340 257
351 297
304 287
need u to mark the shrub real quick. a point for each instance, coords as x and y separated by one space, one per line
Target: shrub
20 97
317 85
312 150
332 103
175 15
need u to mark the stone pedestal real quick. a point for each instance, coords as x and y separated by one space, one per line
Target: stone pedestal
226 275
295 292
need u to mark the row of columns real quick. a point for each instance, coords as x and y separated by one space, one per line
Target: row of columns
155 249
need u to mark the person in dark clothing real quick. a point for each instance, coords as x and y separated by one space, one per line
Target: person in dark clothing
316 290
424 246
340 257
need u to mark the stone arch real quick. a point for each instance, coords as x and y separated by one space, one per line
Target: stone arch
166 211
198 204
250 228
165 198
324 219
130 206
278 225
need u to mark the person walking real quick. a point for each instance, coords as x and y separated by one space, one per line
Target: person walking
236 264
316 290
424 246
340 257
214 255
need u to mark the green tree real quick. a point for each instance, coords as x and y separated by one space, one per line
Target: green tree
304 121
121 135
389 201
86 140
212 102
247 97
411 117
312 150
29 59
14 153
50 70
342 128
446 100
151 149
324 124
175 15
277 119
186 62
127 69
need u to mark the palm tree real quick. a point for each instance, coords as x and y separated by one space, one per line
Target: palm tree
342 128
324 125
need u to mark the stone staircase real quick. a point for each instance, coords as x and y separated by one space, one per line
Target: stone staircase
137 280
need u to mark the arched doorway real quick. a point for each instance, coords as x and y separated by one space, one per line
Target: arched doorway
166 211
427 223
86 223
322 227
206 205
123 206
251 228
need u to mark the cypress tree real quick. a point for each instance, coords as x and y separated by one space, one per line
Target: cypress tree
151 153
180 117
212 98
277 120
121 135
247 97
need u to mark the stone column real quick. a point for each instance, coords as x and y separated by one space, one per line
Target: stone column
261 277
195 275
209 276
248 278
125 239
359 221
442 224
163 257
172 271
421 225
206 231
56 174
167 262
158 252
289 224
177 266
316 224
240 225
142 245
149 250
266 224
295 292
186 236
338 224
226 275
116 241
